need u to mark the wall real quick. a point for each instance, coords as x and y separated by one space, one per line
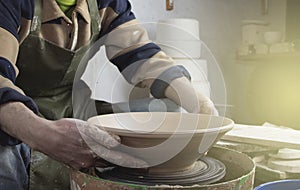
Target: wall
220 29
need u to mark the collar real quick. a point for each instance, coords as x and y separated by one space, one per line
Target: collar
51 11
83 9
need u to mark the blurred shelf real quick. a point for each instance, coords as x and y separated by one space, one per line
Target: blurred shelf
290 56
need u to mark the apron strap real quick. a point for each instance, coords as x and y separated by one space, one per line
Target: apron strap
37 18
95 17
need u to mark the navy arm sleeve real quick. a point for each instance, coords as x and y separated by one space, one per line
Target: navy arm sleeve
129 48
11 12
120 11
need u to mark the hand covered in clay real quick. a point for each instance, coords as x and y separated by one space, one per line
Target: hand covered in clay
80 145
182 92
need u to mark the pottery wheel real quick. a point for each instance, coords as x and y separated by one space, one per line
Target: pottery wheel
205 171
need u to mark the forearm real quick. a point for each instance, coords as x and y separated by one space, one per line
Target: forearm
20 122
63 139
178 91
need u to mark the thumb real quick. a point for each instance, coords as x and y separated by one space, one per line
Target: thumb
209 108
93 134
206 105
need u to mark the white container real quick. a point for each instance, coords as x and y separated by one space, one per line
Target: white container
272 37
196 67
177 29
253 31
203 87
283 47
181 49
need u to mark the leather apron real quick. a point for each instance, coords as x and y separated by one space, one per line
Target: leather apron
46 74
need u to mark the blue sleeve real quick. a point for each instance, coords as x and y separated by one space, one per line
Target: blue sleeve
121 7
134 59
10 95
128 63
161 83
27 9
11 12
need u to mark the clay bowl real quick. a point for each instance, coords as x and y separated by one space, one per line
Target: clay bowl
168 141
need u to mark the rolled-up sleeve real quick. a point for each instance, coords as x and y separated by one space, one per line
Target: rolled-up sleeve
10 15
129 48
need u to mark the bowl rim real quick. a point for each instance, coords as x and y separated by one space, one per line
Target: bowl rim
145 134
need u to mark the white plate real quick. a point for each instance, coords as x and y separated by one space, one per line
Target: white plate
292 166
287 154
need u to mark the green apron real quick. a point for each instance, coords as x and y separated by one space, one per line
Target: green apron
46 74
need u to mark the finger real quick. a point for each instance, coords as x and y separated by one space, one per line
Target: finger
208 108
120 158
93 144
215 112
206 105
85 159
96 134
115 136
103 163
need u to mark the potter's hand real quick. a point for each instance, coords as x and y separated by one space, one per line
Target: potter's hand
64 139
182 92
106 146
80 145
